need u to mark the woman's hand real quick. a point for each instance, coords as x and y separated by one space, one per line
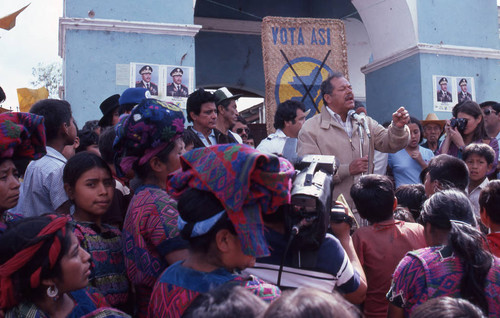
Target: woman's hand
454 135
417 156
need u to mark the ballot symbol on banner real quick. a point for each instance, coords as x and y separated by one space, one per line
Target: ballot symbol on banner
300 80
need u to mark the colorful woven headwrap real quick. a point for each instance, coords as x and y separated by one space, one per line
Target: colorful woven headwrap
150 128
19 260
246 181
22 136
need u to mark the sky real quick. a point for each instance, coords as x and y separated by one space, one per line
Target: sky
33 40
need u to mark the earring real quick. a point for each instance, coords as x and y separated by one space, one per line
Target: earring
52 292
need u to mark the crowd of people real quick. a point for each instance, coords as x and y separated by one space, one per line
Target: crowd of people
140 214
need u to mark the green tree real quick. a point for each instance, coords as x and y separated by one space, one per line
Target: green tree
49 76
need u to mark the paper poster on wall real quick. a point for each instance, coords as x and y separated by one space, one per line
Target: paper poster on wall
444 97
450 90
147 76
465 89
179 83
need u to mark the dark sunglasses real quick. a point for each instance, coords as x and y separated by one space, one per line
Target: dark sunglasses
488 111
240 130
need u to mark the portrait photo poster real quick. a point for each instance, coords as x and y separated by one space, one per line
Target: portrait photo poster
173 88
449 90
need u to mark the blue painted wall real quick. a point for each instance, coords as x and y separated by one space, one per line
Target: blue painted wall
486 73
409 83
459 22
393 86
91 58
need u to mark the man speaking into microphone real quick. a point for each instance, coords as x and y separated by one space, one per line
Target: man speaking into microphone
334 132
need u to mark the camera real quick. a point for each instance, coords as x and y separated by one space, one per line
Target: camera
460 123
308 218
338 215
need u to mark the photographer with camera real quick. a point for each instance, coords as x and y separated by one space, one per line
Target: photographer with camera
466 127
302 252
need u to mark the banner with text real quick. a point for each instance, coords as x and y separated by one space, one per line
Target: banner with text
298 55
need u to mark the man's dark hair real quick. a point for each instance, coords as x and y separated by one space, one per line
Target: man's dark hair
56 112
126 108
489 200
494 105
225 103
196 205
449 171
411 196
106 139
196 99
373 196
228 300
287 111
327 87
480 149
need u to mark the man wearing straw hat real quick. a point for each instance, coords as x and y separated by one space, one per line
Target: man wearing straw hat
433 129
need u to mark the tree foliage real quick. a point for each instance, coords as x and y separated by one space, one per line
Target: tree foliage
49 76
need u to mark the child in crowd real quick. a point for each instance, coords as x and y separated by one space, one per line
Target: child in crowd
489 203
226 301
381 245
22 136
411 197
89 141
306 302
43 190
188 140
407 163
445 172
44 272
455 264
446 307
89 185
222 192
148 142
479 159
122 194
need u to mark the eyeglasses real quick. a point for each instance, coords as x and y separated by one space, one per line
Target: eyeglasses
488 111
240 130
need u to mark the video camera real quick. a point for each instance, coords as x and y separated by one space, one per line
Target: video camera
308 218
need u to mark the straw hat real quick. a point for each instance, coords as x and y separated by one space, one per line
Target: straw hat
433 119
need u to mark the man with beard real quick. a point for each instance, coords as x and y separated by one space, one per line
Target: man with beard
333 132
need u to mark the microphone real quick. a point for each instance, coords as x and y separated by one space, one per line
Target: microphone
361 119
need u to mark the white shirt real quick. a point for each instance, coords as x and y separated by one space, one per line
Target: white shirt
474 196
274 143
347 124
43 187
236 136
